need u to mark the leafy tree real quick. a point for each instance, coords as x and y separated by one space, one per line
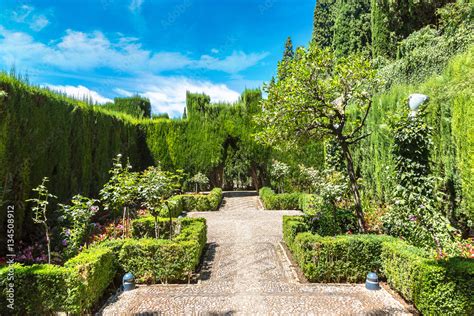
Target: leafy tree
155 188
78 215
279 172
199 180
321 97
121 191
351 27
40 210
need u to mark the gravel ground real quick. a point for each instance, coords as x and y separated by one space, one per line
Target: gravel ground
246 271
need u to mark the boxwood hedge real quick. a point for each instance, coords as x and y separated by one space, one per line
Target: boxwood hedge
435 287
282 201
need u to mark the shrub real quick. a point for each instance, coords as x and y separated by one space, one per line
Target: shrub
45 288
39 289
92 270
144 227
190 202
435 287
292 226
337 259
282 201
152 260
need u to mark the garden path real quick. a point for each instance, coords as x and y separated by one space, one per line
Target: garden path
246 271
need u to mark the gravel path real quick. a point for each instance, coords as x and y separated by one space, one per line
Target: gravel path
246 271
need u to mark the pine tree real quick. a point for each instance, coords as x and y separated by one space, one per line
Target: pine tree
185 116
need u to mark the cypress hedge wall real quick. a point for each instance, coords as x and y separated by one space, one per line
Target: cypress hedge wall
43 134
451 114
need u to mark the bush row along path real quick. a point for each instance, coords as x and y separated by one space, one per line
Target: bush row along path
246 271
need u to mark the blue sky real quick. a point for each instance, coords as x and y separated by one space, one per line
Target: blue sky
159 49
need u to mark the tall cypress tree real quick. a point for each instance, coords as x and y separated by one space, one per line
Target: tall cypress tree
323 22
289 53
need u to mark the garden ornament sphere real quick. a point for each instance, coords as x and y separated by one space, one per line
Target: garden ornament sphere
128 282
372 282
415 100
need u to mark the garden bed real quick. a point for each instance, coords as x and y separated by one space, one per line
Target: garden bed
77 285
433 286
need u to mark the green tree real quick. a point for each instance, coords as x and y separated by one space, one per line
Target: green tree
121 191
199 180
155 188
323 23
40 210
289 53
321 97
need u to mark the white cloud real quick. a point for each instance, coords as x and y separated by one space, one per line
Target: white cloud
38 23
123 92
168 94
25 15
234 63
86 51
136 5
79 92
215 51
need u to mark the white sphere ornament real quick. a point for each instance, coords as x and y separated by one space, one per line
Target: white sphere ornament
415 100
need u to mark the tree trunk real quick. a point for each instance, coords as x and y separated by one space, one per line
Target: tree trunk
157 234
354 185
48 242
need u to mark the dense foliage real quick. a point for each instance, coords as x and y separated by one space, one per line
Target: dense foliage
320 97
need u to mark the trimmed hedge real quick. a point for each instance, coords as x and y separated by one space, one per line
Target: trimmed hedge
46 288
282 201
442 287
337 259
144 227
152 260
194 202
292 226
435 287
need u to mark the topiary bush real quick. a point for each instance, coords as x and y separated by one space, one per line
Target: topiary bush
194 202
282 201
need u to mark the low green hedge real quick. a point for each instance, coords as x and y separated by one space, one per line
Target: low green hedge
292 226
337 259
45 288
144 227
442 287
282 201
194 202
160 260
